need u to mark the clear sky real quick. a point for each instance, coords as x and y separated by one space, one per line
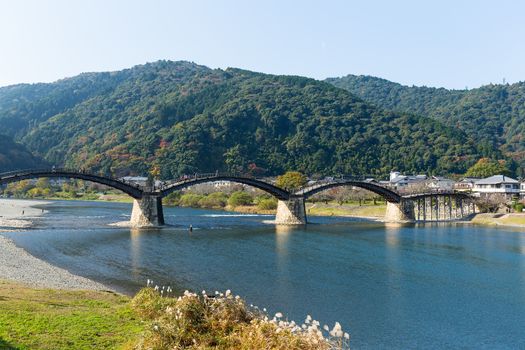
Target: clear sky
449 43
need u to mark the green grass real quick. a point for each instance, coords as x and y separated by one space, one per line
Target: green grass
332 209
92 197
56 319
495 219
513 220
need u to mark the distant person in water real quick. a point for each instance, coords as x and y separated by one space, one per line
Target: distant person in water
191 228
23 212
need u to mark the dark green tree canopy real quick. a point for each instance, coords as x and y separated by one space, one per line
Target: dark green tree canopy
492 115
15 156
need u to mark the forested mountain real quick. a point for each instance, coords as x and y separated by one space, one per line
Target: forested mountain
15 156
24 106
493 115
179 117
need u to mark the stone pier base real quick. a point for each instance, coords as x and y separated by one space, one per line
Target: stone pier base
400 212
291 212
147 212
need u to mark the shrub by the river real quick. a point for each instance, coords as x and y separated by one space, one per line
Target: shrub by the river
240 198
223 321
214 200
190 200
172 199
267 204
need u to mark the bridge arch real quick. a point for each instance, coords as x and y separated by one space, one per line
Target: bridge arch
386 193
15 176
275 191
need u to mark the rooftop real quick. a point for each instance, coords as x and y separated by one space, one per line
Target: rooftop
408 178
470 179
496 179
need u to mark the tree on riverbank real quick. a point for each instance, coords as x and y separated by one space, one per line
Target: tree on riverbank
240 198
291 180
43 188
492 203
486 167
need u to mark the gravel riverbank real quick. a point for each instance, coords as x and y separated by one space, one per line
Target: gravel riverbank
18 214
18 265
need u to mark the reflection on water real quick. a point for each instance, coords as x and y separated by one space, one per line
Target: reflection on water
392 232
135 251
392 286
282 236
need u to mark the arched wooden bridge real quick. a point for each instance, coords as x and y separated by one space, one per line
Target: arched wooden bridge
147 207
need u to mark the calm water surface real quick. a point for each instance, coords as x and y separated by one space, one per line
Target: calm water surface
390 286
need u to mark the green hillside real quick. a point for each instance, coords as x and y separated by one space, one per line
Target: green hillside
181 118
493 115
15 156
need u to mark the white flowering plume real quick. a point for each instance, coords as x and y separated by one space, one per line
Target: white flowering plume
225 310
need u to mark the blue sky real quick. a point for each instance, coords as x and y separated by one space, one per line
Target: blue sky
453 44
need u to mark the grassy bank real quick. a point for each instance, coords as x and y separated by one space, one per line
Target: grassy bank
250 209
516 220
334 209
322 209
113 197
56 319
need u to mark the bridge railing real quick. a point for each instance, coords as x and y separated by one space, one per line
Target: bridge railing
21 171
164 184
431 192
342 179
196 176
65 170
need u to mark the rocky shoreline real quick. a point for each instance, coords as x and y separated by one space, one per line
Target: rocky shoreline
18 265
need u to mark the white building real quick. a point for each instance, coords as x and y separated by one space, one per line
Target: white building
522 190
406 182
497 184
139 180
440 184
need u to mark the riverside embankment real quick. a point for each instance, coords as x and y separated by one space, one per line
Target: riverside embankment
508 220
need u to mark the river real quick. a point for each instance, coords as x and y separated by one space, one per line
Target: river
390 286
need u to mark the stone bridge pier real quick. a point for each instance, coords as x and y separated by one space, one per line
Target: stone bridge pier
291 211
147 211
400 212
